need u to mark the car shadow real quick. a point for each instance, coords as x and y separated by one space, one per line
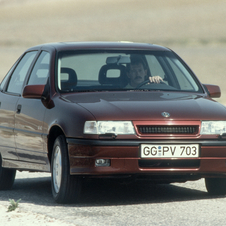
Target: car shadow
112 192
104 192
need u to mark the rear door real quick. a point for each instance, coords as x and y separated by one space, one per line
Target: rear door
29 118
9 97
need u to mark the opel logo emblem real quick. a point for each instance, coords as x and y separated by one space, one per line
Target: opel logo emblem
165 114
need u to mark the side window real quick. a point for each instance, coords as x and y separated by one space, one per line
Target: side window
40 71
17 79
5 79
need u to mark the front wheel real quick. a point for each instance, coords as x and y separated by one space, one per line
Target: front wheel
65 188
216 186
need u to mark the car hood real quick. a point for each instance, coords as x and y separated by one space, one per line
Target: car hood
148 105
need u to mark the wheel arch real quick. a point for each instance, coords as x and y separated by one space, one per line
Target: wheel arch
54 132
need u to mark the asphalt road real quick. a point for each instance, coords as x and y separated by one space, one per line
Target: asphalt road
112 203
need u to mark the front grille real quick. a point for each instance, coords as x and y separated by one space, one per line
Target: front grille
165 163
167 129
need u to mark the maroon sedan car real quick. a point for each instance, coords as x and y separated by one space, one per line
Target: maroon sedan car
102 109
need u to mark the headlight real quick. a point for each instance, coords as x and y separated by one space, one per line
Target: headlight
103 127
213 127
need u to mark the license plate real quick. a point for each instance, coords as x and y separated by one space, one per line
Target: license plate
170 151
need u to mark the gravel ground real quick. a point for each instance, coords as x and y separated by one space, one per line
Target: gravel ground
109 203
26 213
23 218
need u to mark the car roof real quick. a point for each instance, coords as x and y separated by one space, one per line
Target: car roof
59 46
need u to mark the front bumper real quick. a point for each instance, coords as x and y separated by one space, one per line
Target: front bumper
125 158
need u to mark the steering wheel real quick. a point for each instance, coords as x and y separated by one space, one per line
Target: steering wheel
143 83
146 82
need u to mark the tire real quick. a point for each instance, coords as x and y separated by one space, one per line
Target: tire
216 186
65 188
7 177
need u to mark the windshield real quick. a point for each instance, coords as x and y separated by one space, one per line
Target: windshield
129 70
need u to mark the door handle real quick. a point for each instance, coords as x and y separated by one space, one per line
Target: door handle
18 110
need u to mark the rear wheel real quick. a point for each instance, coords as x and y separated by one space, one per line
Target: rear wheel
7 177
216 186
65 188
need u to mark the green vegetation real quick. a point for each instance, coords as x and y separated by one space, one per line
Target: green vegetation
13 205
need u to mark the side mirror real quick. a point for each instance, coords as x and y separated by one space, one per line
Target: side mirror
213 90
33 91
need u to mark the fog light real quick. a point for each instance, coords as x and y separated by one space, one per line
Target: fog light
102 162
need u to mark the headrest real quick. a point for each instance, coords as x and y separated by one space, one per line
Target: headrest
115 78
69 82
